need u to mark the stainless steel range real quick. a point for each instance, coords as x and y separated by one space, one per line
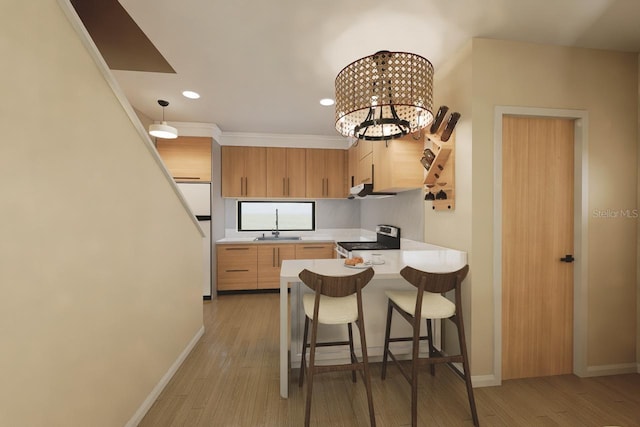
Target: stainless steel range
387 237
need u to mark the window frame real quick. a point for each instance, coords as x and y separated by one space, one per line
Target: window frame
309 202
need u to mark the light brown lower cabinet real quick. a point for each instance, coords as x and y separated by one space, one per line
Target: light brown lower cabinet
257 266
315 251
237 267
270 259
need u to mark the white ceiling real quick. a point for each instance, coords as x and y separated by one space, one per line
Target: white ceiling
262 66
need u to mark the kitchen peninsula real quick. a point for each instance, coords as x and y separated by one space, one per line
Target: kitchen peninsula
387 276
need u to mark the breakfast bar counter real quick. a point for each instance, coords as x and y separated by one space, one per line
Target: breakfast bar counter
387 276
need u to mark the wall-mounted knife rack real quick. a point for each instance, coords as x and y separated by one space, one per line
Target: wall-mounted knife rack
439 181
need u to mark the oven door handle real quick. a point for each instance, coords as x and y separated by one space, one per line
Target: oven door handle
341 252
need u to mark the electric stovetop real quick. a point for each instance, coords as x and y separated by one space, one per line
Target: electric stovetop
388 237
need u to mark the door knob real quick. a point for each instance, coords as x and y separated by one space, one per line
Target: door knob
568 258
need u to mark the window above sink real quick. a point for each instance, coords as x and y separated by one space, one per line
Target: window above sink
261 216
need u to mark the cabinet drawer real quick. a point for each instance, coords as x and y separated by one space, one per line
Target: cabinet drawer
237 267
315 251
238 254
236 279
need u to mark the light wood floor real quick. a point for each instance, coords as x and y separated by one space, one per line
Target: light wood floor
231 379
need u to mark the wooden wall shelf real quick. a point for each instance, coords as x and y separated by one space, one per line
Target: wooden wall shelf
440 177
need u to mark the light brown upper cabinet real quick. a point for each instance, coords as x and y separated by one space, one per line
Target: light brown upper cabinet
360 159
365 171
244 171
188 158
326 173
364 148
352 166
286 172
396 164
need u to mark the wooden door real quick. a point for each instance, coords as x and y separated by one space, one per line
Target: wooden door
537 230
276 172
336 173
232 171
296 172
315 174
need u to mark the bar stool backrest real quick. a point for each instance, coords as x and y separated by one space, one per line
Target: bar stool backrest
336 286
434 282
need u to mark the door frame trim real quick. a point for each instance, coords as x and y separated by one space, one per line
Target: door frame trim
580 235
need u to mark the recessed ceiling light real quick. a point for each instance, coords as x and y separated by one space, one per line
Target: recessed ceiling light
191 94
327 102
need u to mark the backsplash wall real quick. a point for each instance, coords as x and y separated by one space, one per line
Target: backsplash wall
405 210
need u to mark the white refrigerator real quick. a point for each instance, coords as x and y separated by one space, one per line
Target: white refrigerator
198 197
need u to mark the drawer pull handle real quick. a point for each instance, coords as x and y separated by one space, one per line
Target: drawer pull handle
236 249
235 271
312 247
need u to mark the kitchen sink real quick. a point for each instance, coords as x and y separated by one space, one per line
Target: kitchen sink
272 238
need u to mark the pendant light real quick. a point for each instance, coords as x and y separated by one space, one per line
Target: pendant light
384 96
163 130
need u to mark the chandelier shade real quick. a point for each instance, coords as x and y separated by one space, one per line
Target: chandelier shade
384 96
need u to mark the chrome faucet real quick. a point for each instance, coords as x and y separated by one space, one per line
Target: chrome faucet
276 232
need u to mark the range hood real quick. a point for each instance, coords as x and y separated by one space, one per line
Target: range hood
366 190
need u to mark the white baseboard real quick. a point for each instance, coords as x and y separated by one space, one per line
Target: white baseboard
151 398
602 370
484 381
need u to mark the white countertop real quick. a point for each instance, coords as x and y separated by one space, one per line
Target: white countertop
324 235
328 235
434 259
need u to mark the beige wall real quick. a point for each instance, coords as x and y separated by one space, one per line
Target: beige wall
452 87
100 265
144 119
605 85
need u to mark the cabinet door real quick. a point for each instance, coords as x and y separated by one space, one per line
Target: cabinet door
364 169
296 172
397 165
270 259
255 171
315 174
364 148
382 160
188 158
237 267
232 171
276 172
286 175
315 251
336 173
352 166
